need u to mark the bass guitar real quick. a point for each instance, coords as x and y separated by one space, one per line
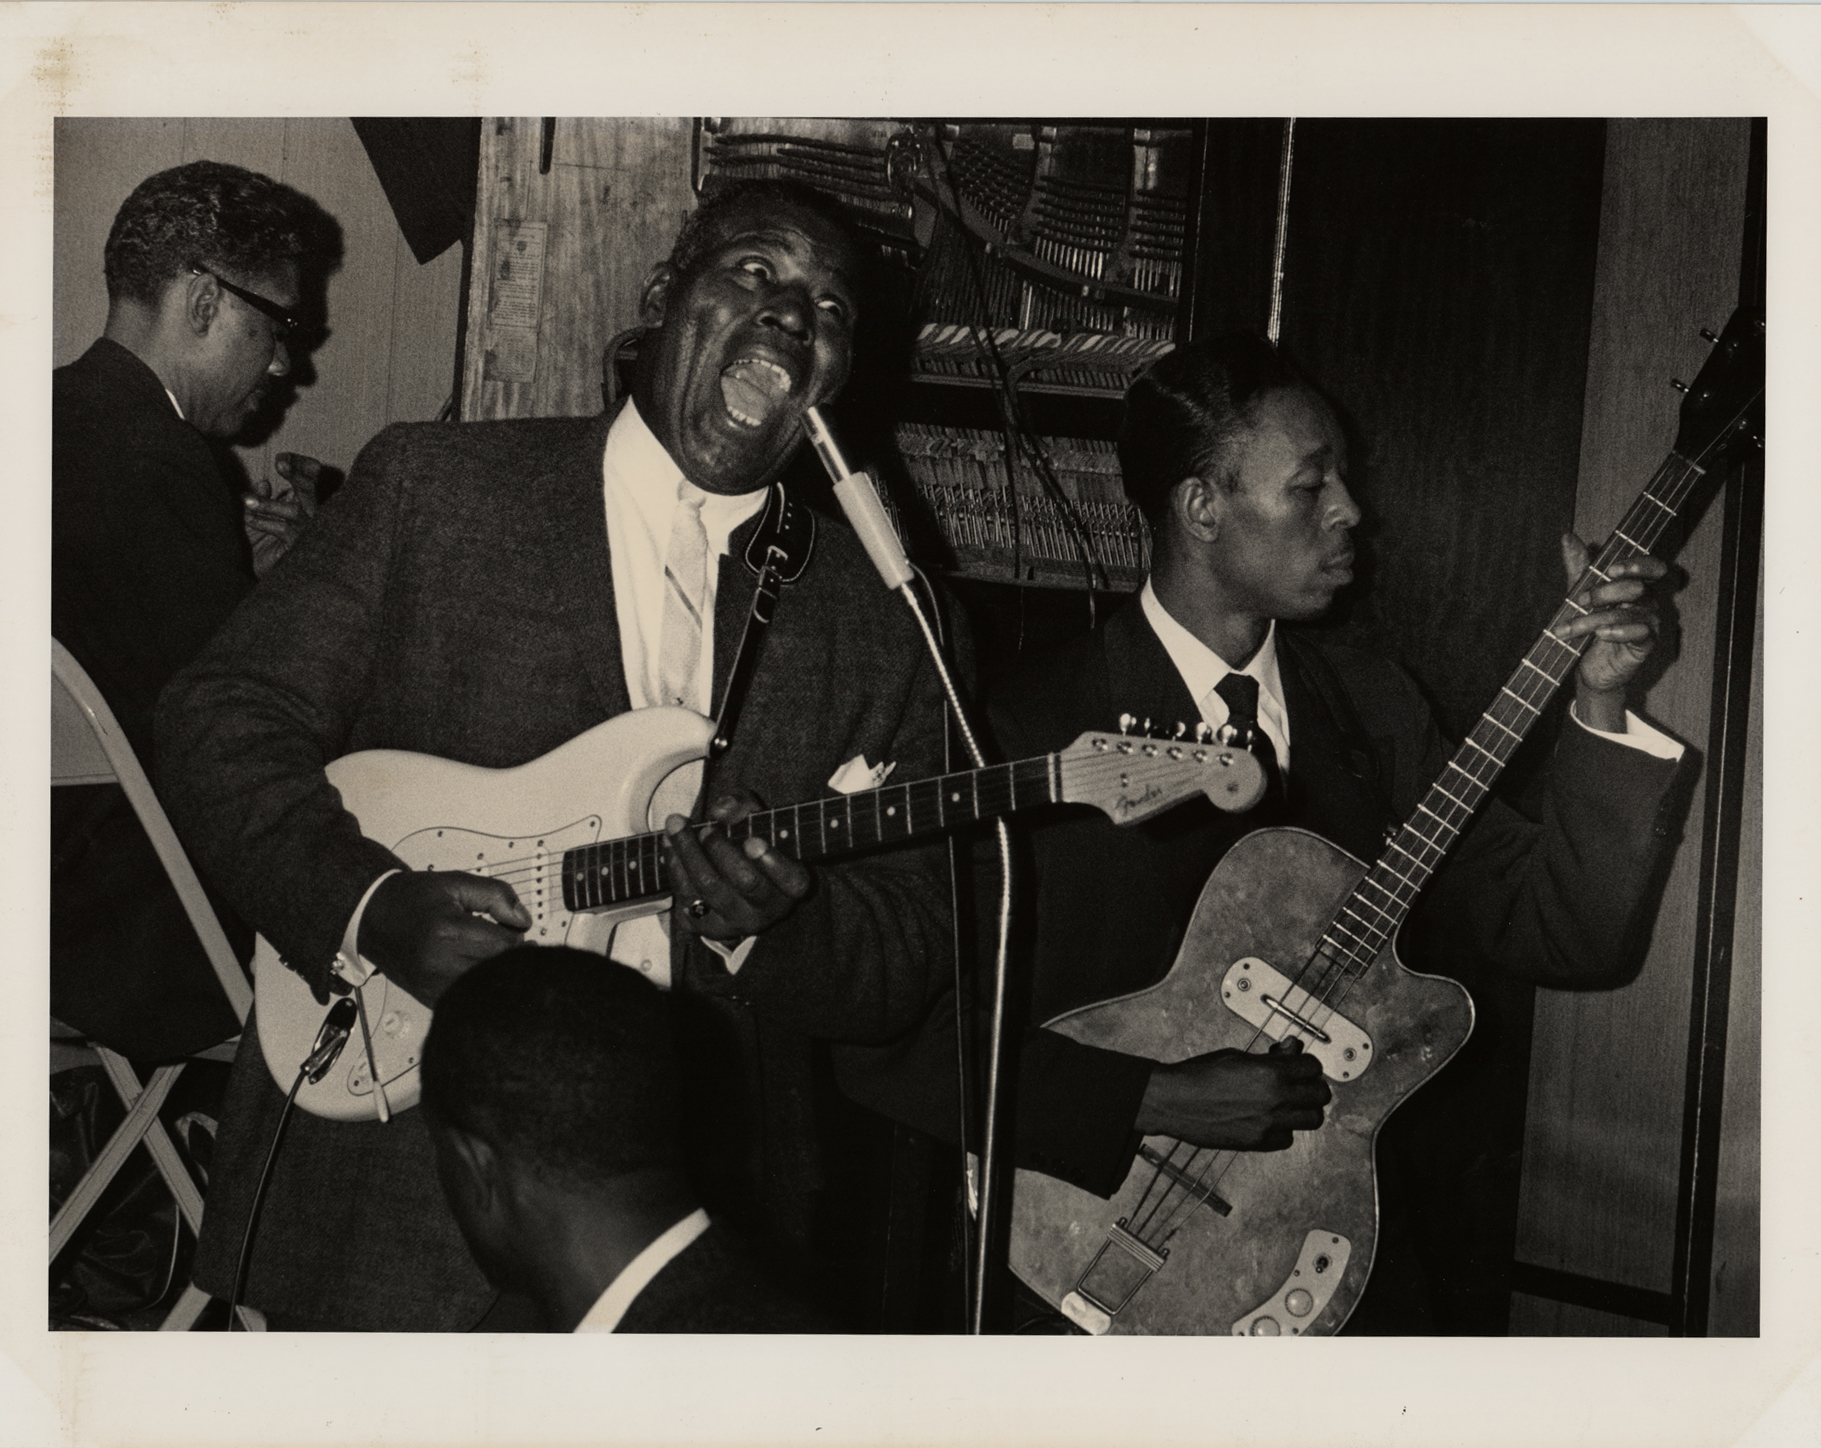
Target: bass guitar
559 831
1292 938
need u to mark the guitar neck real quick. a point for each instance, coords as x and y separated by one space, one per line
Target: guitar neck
1371 917
618 871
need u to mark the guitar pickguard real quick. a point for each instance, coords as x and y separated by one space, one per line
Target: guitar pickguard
531 864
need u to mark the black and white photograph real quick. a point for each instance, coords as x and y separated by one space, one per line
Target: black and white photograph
914 722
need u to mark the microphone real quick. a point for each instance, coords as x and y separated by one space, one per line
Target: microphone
860 501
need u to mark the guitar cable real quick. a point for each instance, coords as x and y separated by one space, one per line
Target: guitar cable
337 1025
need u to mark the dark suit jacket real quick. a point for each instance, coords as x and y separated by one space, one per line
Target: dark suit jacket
148 559
456 599
715 1285
1554 901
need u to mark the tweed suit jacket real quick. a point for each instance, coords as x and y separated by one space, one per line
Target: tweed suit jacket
456 599
1556 901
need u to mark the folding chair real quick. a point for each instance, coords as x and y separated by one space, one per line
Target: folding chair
88 747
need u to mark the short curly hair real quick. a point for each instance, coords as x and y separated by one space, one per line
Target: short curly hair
209 214
560 1059
703 228
1181 414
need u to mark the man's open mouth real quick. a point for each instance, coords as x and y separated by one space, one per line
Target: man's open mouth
753 388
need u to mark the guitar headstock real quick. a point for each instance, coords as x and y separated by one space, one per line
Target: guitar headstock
1134 776
1724 408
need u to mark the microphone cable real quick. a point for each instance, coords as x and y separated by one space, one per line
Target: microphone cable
859 500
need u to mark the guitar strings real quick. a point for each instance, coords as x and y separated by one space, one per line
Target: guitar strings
1341 964
993 791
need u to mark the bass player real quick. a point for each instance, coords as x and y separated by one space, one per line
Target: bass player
1240 467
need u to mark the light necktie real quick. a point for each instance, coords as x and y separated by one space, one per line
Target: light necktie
685 584
1239 692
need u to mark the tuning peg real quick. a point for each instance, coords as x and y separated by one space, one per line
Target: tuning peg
1126 721
1204 732
1181 729
1710 336
1145 728
1678 384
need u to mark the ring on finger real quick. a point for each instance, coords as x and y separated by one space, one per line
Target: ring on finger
698 908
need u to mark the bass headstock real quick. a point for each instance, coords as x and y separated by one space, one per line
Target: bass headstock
1134 776
1724 408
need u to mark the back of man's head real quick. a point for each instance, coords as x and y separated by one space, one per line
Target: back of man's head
561 1060
1183 411
218 217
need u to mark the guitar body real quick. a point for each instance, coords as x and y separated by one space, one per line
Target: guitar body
1293 1249
620 778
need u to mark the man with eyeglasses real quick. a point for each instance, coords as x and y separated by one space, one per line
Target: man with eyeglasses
152 549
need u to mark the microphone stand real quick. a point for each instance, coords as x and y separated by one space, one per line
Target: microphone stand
858 499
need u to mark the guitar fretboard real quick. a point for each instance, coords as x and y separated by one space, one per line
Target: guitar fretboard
1372 914
615 872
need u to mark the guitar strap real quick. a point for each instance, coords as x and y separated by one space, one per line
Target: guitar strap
777 554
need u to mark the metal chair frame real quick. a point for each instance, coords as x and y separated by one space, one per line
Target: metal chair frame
88 747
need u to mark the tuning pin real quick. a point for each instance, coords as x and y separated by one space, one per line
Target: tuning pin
1678 384
1145 728
1126 721
1204 732
1709 335
1181 729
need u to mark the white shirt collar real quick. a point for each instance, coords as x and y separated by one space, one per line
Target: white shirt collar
174 403
1201 669
635 462
611 1305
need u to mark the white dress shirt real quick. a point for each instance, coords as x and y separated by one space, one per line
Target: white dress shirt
636 1276
639 486
1201 669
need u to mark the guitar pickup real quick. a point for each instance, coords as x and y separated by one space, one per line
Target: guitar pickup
1263 996
1153 1157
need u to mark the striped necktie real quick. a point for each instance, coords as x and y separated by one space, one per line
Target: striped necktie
685 584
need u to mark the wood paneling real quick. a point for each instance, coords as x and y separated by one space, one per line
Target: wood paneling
1603 1143
1733 1310
97 164
390 352
615 194
1544 1318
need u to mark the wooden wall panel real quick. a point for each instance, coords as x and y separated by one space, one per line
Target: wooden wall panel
390 353
1604 1130
1543 1318
97 163
1733 1309
615 194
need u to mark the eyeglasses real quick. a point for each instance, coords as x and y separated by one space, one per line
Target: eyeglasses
288 324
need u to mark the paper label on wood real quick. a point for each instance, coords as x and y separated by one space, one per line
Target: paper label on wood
517 262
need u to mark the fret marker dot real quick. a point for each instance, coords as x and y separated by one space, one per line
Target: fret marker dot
891 809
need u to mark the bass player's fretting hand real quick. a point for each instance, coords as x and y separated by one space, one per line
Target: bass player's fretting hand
1622 620
737 890
422 927
1236 1100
